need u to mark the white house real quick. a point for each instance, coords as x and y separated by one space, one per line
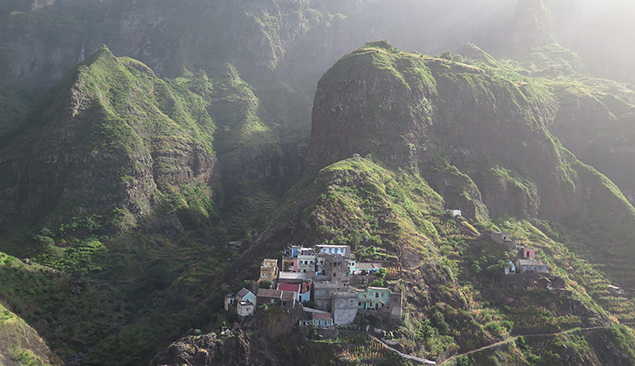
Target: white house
342 250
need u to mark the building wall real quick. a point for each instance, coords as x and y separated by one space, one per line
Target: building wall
302 297
527 253
267 274
322 293
537 268
268 270
342 250
229 302
245 310
306 263
396 305
292 266
344 308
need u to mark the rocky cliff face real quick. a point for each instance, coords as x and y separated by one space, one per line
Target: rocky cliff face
593 121
107 138
533 27
429 108
208 349
439 115
20 343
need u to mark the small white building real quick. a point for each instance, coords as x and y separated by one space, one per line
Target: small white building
322 319
306 261
342 250
614 290
245 309
510 268
243 303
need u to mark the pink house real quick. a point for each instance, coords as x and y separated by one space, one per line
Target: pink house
290 265
525 252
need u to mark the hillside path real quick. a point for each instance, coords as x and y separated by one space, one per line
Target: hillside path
419 360
513 338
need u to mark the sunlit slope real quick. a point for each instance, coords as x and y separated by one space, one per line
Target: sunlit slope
410 110
105 142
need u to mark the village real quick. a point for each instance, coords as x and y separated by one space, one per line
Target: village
326 281
331 287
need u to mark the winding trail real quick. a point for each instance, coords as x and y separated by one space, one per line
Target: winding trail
514 338
405 356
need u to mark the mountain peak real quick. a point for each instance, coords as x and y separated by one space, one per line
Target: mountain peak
533 27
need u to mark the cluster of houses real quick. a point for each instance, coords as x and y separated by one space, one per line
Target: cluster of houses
526 261
526 264
322 275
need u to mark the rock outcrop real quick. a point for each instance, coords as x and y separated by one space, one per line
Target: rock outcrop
103 142
208 349
21 344
408 110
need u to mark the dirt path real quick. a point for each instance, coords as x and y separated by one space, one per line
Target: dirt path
514 338
420 360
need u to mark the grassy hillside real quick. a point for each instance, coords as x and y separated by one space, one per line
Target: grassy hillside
451 276
108 180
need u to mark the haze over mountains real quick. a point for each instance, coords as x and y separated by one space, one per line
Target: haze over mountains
138 138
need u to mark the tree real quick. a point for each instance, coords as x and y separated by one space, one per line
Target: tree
265 284
447 55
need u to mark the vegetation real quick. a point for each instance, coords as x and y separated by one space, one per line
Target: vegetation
152 177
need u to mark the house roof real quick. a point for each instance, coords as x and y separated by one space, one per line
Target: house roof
269 262
378 288
243 292
345 294
291 276
321 316
288 295
289 287
530 262
316 311
368 266
269 293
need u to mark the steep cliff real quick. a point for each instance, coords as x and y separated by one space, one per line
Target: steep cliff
105 142
21 344
397 138
491 126
134 184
